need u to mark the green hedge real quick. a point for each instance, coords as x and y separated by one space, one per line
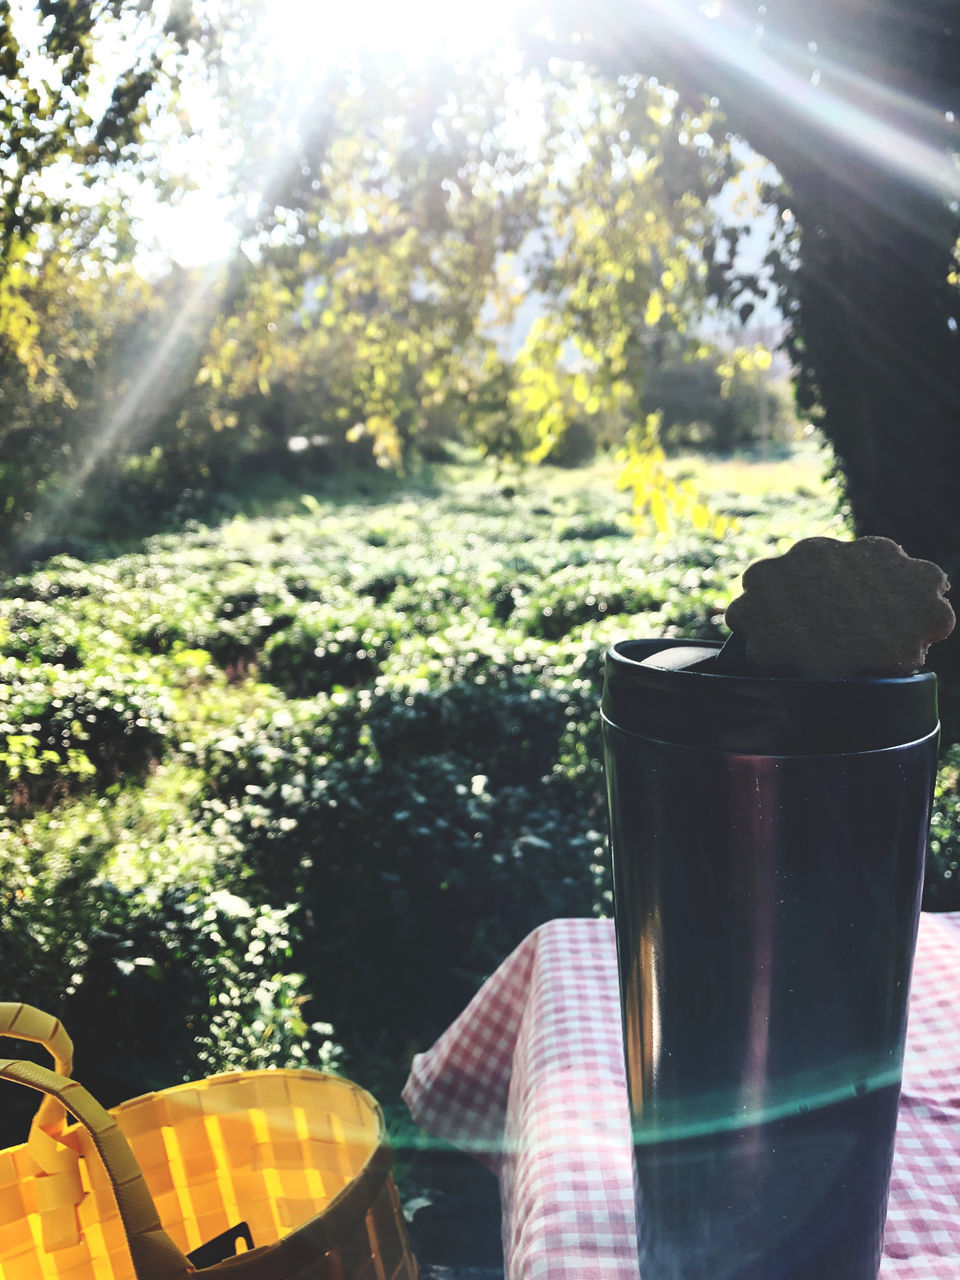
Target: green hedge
420 835
64 731
325 647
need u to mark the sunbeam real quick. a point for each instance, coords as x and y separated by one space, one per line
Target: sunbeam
149 394
890 128
139 406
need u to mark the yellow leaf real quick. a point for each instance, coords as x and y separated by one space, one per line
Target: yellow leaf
535 399
654 309
387 444
658 510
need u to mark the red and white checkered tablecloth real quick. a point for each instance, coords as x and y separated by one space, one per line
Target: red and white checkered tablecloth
530 1078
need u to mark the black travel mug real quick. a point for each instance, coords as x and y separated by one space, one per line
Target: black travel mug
768 839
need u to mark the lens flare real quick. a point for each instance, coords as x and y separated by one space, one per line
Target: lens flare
903 134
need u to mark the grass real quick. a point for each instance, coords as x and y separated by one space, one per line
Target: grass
801 469
251 493
753 475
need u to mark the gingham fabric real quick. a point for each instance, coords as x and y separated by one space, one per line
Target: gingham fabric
530 1078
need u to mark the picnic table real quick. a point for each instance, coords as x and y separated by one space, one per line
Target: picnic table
530 1079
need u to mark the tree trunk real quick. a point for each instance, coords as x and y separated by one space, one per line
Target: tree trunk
874 327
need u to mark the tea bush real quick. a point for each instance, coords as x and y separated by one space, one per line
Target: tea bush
37 631
326 647
412 874
577 595
432 784
63 731
230 623
64 577
504 727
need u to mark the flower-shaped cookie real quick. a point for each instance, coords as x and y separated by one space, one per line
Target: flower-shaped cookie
830 610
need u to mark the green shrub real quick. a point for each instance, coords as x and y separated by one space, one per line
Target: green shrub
63 731
421 832
154 988
465 650
435 600
699 412
183 622
413 876
577 595
942 887
326 647
593 530
231 621
508 595
61 578
383 584
506 728
38 632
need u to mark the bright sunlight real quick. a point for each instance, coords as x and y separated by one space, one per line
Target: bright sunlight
307 32
300 41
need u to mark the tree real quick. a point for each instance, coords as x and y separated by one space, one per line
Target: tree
53 388
856 105
60 134
377 241
714 401
411 215
81 84
626 230
373 261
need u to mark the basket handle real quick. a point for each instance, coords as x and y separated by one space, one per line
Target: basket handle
155 1256
55 1163
24 1022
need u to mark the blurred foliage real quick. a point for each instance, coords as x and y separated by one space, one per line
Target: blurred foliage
376 314
655 494
941 891
58 123
719 403
74 119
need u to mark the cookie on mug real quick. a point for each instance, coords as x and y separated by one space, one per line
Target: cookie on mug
833 610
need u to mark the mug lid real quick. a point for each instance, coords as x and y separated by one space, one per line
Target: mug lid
760 715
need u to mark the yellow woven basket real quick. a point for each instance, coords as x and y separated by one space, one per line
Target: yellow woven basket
298 1156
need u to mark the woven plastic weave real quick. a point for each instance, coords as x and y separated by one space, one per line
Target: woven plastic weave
299 1156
